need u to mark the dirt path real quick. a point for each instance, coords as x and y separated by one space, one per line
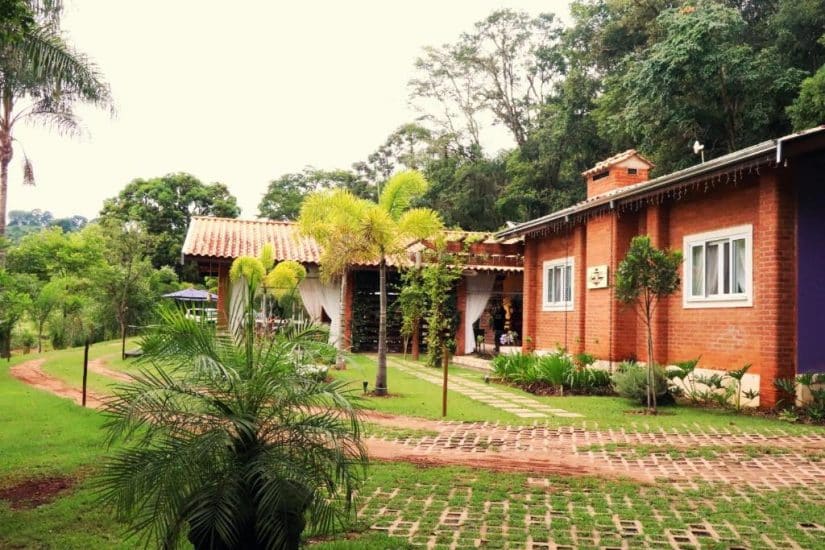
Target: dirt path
98 366
31 373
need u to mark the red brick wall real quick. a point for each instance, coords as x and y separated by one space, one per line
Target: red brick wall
726 338
599 301
618 177
461 305
555 328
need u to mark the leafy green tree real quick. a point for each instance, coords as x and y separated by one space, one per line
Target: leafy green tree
14 302
700 81
52 253
352 231
439 278
282 200
645 276
808 110
412 303
226 443
796 30
409 147
47 300
464 191
505 66
165 205
22 223
123 280
41 78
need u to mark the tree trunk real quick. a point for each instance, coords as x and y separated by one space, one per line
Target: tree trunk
381 376
40 337
651 379
5 159
416 340
340 364
123 339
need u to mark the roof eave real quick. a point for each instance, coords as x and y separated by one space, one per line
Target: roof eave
749 153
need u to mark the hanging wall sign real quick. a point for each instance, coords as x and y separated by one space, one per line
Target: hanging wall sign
597 276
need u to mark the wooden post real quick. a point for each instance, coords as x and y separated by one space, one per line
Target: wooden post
85 368
445 359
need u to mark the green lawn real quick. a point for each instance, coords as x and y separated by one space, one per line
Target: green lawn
412 396
43 435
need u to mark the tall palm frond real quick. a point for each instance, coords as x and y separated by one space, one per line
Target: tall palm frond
400 191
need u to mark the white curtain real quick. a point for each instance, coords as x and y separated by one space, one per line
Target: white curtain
237 303
311 290
479 290
330 298
712 270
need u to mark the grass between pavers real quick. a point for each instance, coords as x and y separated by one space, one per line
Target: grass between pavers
471 508
709 452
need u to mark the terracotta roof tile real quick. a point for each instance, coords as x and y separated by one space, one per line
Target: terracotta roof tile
231 238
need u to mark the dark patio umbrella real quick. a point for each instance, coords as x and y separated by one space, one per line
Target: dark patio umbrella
192 295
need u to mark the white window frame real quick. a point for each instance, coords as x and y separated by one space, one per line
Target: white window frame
719 300
562 305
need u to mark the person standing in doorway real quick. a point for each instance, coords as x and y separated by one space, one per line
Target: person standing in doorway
497 320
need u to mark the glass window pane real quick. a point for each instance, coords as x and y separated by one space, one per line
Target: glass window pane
557 287
697 271
726 268
568 283
549 297
739 266
712 269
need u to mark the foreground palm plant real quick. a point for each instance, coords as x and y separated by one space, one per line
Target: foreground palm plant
227 443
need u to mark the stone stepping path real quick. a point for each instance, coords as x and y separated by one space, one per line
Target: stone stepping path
518 405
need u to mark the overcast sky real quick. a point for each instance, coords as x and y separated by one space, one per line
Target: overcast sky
238 92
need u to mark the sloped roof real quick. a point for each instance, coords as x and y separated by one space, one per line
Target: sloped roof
230 238
774 150
616 159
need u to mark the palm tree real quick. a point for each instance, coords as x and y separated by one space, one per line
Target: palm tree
352 231
229 443
41 78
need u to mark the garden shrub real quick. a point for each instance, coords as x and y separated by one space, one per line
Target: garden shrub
813 410
512 367
556 370
630 381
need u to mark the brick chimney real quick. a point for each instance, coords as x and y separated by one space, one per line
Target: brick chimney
624 169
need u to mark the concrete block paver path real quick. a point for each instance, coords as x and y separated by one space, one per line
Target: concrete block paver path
521 406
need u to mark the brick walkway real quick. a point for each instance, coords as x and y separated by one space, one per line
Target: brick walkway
758 461
521 406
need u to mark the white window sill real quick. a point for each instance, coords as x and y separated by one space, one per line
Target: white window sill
557 307
717 303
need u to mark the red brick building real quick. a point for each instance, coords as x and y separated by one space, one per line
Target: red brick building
751 227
